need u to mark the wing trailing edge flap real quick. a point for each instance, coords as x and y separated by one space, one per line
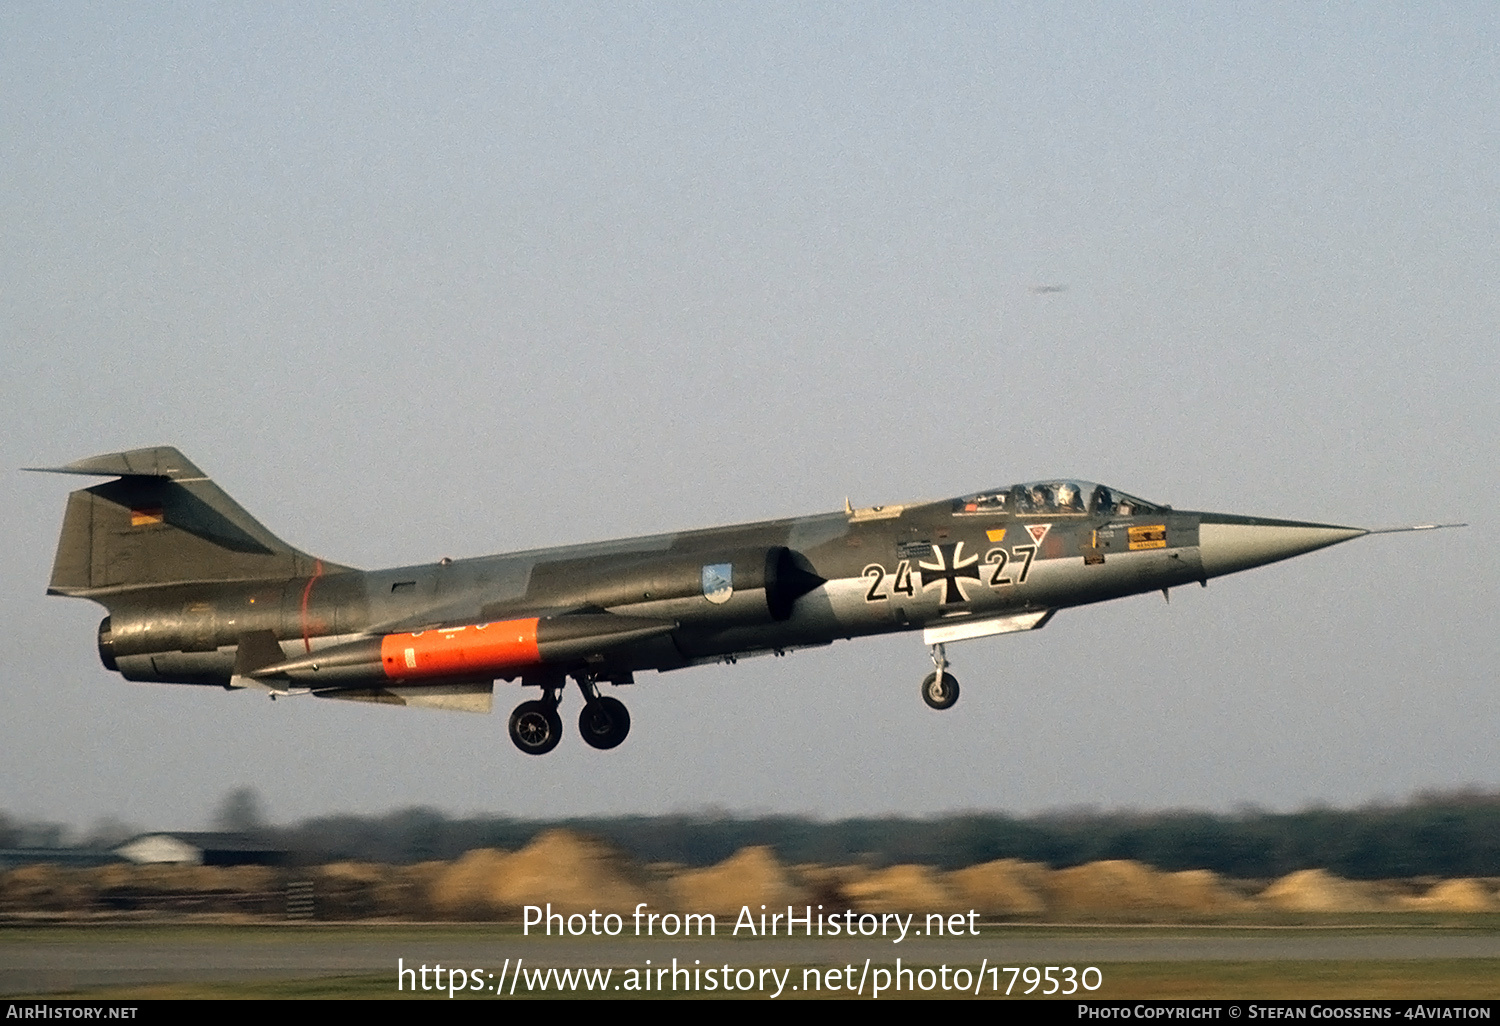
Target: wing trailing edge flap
472 696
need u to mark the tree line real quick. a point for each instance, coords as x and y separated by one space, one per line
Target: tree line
1448 834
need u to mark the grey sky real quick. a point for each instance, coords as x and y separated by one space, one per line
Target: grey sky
451 280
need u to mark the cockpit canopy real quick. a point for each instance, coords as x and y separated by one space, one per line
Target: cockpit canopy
1054 498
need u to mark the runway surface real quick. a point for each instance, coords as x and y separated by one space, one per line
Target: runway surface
51 960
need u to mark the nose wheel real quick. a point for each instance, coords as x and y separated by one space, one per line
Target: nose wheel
940 688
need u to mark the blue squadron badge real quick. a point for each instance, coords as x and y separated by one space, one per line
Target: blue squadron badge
718 582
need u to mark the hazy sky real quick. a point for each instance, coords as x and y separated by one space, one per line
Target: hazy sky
414 282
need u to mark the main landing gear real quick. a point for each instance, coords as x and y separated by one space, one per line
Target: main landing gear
535 726
940 688
604 722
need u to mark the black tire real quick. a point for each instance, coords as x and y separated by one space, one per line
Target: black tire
535 727
604 722
940 694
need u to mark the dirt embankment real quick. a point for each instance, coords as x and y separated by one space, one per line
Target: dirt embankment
577 874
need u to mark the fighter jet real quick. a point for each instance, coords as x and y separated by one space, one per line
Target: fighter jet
199 592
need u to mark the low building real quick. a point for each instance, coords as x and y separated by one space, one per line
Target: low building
200 848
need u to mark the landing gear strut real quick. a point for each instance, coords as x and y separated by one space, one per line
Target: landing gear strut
604 722
940 688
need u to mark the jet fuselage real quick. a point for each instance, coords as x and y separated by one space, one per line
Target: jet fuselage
198 592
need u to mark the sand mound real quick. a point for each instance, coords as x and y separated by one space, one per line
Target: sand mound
114 887
1114 886
43 887
1317 890
1463 895
1126 887
903 889
1005 887
751 876
1200 890
828 885
573 873
355 872
465 885
120 874
181 878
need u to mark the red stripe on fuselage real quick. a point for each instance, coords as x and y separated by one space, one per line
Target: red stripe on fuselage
450 653
306 595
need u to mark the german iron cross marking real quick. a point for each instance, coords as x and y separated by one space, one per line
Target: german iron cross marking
949 568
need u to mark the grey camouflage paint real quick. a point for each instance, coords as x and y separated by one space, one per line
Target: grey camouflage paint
189 578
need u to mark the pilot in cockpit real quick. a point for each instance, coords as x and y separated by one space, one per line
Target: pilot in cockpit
1067 498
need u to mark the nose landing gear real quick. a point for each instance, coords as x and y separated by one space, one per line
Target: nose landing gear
940 688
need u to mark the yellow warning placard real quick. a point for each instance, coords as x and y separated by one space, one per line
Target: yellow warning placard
1148 536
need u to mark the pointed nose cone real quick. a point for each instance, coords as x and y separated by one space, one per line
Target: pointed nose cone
1229 543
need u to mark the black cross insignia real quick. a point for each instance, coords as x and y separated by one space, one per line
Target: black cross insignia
950 567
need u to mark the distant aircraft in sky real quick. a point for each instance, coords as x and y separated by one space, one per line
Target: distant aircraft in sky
1042 290
198 592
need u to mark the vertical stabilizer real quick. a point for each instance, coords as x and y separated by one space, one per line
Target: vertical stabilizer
162 521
